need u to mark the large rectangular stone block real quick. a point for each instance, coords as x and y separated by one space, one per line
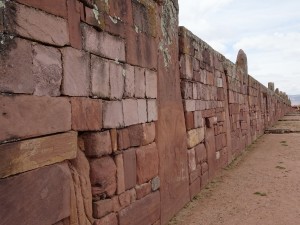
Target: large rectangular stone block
142 212
41 196
26 116
19 157
194 137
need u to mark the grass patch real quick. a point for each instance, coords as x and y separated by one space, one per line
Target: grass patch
280 167
260 193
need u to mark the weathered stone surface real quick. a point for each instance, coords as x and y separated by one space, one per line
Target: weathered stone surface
103 176
81 195
76 79
152 110
143 190
116 80
16 68
139 82
211 151
112 114
37 25
155 183
100 77
103 44
192 159
129 157
126 198
19 157
47 70
130 111
145 156
129 81
135 135
151 84
97 143
142 110
120 173
74 9
148 133
195 188
189 120
114 139
142 212
123 139
102 208
110 219
194 137
201 155
41 196
45 115
86 114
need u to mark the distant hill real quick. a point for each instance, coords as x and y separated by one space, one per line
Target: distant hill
295 99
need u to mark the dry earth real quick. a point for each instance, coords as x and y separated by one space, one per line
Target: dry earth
262 187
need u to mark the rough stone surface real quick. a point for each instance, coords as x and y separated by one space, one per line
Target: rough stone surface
86 114
100 77
139 82
76 79
43 196
45 115
112 114
201 155
102 208
148 133
120 173
19 157
130 111
144 157
116 81
97 144
129 81
155 183
194 137
152 110
130 173
103 176
110 219
151 84
142 110
143 190
142 212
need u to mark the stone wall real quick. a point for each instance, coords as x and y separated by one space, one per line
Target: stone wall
100 121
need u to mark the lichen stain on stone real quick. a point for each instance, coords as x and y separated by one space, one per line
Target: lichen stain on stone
96 14
169 28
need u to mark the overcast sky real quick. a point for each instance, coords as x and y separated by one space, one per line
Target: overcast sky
268 31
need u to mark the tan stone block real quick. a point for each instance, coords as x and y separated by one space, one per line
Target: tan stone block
19 157
194 137
148 133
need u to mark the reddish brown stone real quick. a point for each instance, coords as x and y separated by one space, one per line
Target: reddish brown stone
211 151
121 9
130 111
74 23
114 25
114 139
145 156
191 159
195 188
142 212
55 7
198 119
120 174
76 80
152 110
38 25
112 114
127 198
142 110
210 122
100 77
148 133
44 192
139 82
110 219
103 176
129 157
45 115
189 120
22 156
86 114
143 190
151 84
102 208
136 135
129 81
204 168
201 155
116 80
204 179
97 143
208 113
123 139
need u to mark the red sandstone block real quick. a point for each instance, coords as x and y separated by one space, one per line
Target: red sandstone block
189 105
195 91
100 77
110 219
186 67
151 84
143 212
47 70
114 25
45 115
139 82
86 114
97 143
130 111
103 176
204 168
189 120
204 179
195 188
127 198
55 7
38 25
112 114
103 44
142 110
142 190
210 78
121 9
186 89
201 155
152 110
148 133
129 81
116 80
193 175
145 156
191 159
76 78
219 144
129 157
120 173
208 113
102 208
200 105
90 17
136 135
123 139
198 119
74 10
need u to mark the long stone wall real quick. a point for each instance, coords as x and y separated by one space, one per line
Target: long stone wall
110 114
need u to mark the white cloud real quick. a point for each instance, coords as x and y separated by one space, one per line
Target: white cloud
268 31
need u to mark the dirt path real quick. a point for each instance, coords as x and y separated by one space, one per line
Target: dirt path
262 187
